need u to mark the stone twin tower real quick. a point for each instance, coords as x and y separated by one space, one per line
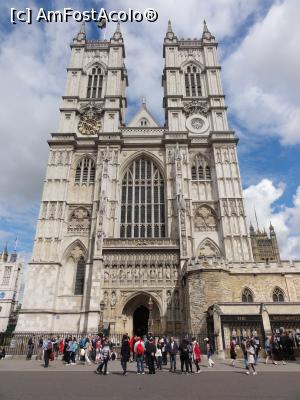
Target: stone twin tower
137 220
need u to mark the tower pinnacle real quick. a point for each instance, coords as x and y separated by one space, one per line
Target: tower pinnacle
81 35
206 35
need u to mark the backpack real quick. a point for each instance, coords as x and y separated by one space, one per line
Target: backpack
140 349
49 346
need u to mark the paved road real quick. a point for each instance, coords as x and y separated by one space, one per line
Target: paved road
27 380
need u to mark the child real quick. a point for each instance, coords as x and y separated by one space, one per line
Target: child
158 356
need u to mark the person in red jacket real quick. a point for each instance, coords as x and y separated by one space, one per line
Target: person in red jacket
196 355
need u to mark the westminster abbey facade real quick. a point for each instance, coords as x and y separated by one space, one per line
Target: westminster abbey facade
142 227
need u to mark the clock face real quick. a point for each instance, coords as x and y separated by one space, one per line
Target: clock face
89 125
197 123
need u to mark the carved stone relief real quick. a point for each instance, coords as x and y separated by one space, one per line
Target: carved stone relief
80 220
205 219
209 249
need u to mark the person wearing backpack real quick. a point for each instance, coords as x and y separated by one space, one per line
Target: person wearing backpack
74 349
104 354
139 351
125 353
184 356
209 353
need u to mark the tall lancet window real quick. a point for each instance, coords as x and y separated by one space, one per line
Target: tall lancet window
192 81
80 274
95 83
142 201
85 172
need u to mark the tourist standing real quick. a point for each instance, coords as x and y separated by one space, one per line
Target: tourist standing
74 349
190 359
196 355
151 356
209 353
139 351
233 351
125 353
30 344
158 356
88 349
48 348
173 350
251 354
184 356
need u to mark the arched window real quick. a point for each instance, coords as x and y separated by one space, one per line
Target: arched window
85 171
144 122
80 274
95 83
278 295
142 201
200 169
247 296
192 81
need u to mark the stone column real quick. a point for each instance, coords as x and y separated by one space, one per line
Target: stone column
265 320
218 331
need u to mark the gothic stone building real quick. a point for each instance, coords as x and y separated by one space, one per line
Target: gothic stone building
143 227
10 284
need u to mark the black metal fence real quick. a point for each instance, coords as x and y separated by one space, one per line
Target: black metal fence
16 344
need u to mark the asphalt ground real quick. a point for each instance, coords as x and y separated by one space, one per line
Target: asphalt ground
27 380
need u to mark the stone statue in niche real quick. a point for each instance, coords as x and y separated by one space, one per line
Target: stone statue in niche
176 300
106 275
168 273
105 298
169 298
205 219
145 273
113 299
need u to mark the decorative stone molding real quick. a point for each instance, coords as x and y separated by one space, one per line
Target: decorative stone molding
80 221
205 219
209 249
133 243
196 107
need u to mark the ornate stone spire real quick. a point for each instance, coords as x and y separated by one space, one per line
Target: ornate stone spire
4 255
170 34
206 35
81 35
118 34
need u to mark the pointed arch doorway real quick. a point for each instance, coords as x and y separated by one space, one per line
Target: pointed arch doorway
141 314
141 321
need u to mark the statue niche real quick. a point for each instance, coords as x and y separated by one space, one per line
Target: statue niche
205 219
79 221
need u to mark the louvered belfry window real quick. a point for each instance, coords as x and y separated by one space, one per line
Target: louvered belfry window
142 201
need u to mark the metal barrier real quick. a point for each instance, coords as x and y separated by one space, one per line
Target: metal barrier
16 344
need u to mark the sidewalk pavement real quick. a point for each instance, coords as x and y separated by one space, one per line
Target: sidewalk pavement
21 364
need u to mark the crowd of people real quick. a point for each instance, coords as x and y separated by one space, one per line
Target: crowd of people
153 353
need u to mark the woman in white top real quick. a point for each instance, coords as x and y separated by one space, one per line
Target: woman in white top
250 357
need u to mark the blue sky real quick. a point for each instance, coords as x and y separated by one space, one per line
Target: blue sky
259 53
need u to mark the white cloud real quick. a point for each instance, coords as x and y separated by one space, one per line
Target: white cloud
263 75
286 220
